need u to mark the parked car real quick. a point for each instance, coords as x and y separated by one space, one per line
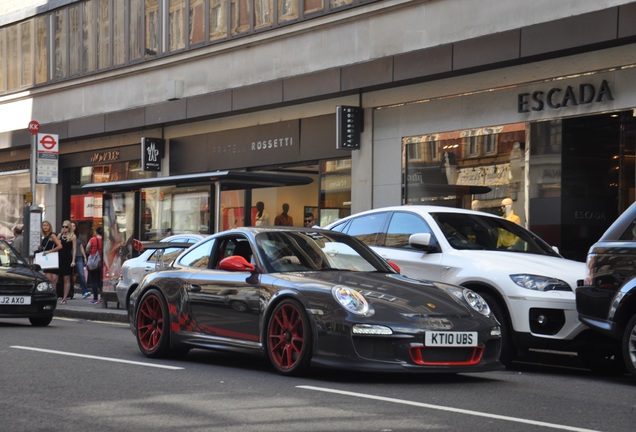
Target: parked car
528 285
24 290
153 257
312 297
607 301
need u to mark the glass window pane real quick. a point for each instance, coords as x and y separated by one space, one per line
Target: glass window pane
104 35
75 40
26 53
401 227
314 6
240 16
3 60
287 10
263 13
136 42
218 19
13 64
333 4
89 36
41 50
152 28
119 32
369 229
60 44
176 40
196 27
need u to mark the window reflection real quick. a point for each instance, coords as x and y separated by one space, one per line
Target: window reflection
103 34
287 10
263 13
240 16
176 20
89 35
196 24
152 28
61 68
218 19
119 32
25 53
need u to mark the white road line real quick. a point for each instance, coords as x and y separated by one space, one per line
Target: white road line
96 357
450 409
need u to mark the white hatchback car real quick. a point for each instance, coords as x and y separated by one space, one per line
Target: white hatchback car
151 259
528 285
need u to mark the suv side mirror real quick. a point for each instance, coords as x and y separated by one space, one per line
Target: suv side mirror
421 241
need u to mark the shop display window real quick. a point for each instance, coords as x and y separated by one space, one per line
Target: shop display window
471 168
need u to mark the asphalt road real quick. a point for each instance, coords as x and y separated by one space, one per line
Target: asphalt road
81 375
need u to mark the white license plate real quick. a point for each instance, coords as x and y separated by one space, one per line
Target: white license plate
15 300
450 339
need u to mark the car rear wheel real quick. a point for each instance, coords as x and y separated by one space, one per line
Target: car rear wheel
289 340
41 322
153 326
508 350
629 346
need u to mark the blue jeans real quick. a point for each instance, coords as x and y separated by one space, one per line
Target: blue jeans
81 276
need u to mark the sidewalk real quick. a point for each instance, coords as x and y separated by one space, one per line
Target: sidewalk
82 309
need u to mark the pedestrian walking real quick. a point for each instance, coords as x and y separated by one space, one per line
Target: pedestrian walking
67 258
93 247
80 261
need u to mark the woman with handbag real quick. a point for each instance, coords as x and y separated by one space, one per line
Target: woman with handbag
94 247
67 257
50 244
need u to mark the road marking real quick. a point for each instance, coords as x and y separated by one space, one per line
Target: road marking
450 409
97 357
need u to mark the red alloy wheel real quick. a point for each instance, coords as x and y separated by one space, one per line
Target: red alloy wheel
150 323
288 338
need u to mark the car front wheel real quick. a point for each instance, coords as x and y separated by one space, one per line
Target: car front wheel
289 340
629 346
153 325
508 350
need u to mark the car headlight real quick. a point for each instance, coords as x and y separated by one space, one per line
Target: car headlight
540 283
44 287
351 300
473 299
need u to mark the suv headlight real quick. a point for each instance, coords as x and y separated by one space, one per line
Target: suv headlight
540 283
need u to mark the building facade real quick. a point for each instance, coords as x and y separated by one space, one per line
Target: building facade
465 103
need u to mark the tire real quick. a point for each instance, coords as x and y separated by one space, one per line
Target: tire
508 349
629 347
289 338
605 361
153 325
41 322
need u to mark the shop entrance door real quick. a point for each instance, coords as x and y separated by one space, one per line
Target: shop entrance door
598 177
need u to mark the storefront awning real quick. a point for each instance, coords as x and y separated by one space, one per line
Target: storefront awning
227 180
221 180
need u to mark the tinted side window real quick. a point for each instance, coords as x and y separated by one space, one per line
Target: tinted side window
198 256
369 228
401 227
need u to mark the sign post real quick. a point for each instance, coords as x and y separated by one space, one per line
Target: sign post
34 128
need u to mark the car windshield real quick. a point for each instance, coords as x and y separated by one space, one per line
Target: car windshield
474 232
8 257
293 251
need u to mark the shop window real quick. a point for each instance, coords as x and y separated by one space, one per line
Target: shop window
335 190
468 168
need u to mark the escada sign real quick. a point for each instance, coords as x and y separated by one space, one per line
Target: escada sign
557 97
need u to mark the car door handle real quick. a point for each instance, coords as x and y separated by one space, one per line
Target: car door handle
149 269
194 288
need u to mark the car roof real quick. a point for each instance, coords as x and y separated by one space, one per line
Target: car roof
420 209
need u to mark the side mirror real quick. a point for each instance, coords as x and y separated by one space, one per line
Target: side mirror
420 241
395 267
236 263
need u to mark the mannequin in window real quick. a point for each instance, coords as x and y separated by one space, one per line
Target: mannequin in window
508 213
262 218
284 219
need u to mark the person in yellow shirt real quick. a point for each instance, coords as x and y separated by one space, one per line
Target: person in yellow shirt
506 238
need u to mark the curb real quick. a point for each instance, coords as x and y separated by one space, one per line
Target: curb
93 315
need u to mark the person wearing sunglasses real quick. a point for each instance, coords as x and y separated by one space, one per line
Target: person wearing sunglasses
67 257
309 221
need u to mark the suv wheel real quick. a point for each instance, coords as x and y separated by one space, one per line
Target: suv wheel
629 346
508 350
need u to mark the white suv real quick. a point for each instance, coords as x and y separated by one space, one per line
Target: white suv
152 258
528 285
